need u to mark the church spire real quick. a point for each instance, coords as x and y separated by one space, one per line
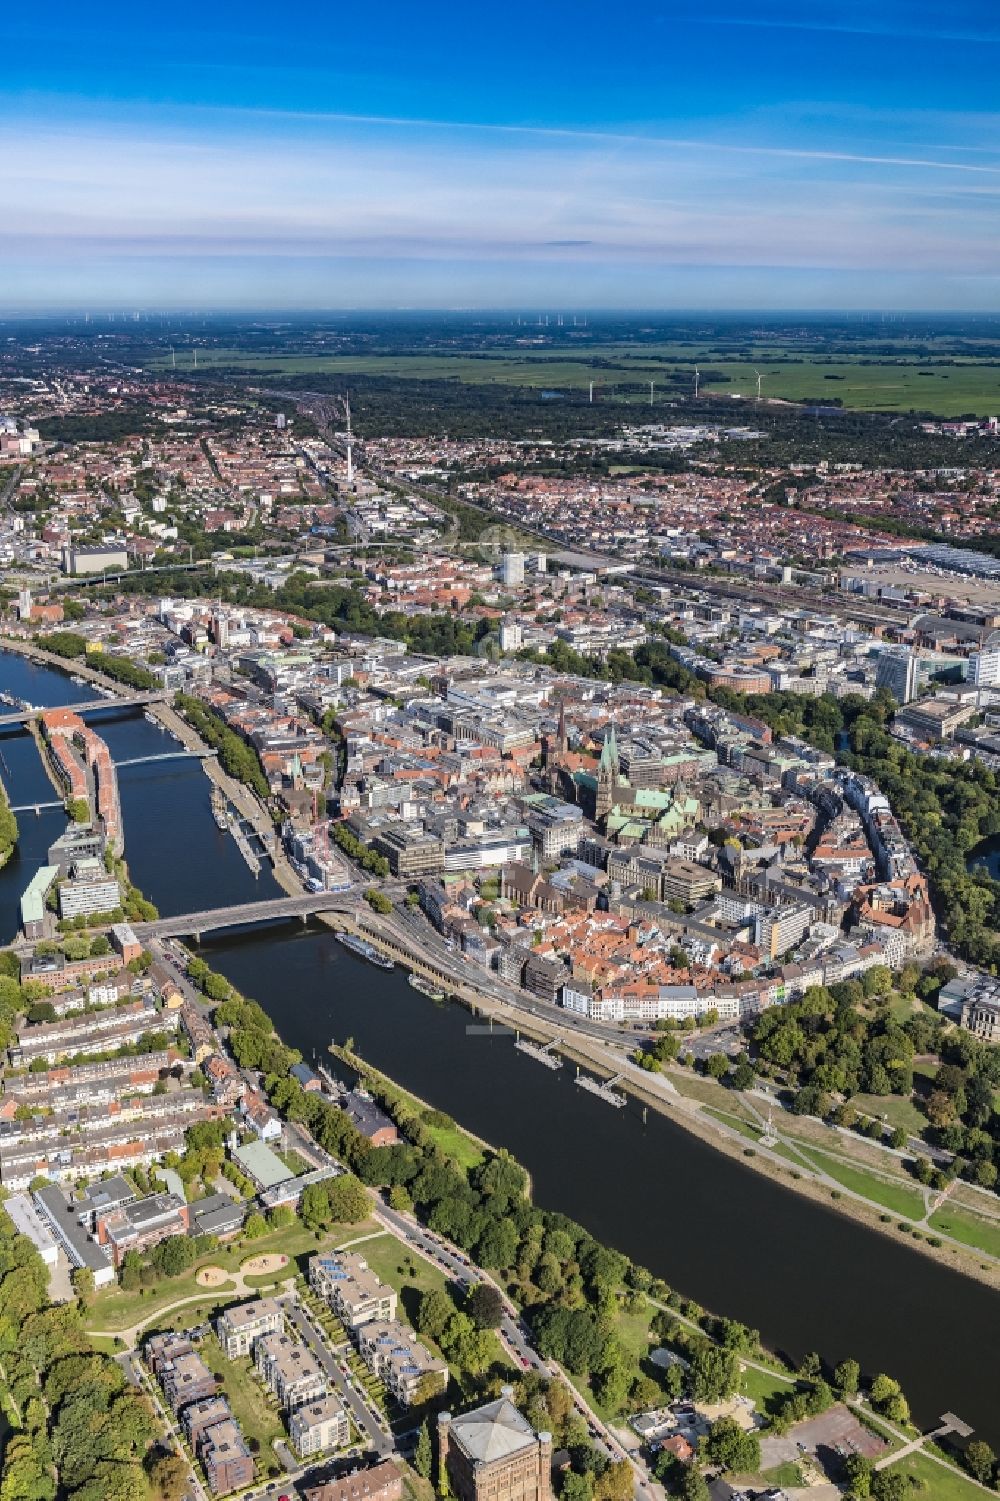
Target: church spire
609 763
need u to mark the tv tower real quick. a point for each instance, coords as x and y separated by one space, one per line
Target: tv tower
350 454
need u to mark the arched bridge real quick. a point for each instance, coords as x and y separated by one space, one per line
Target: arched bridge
212 919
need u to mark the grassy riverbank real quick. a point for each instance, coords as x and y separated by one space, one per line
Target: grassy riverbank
463 1146
883 1198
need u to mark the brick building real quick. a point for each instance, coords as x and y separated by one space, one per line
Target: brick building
494 1454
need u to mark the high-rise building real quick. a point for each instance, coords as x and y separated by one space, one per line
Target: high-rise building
511 635
984 664
898 670
512 569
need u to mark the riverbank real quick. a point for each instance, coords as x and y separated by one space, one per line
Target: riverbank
660 1093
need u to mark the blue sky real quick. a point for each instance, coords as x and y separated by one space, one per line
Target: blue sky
698 153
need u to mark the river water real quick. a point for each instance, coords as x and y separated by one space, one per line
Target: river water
807 1277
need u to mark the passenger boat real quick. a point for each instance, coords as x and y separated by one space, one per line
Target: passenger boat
364 950
425 987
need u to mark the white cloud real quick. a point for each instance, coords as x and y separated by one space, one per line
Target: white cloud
250 187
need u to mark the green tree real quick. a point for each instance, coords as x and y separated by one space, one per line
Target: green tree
576 1487
173 1256
715 1373
423 1458
167 1473
315 1206
348 1199
731 1448
434 1312
694 1486
485 1306
847 1377
83 1283
858 1473
890 1485
980 1461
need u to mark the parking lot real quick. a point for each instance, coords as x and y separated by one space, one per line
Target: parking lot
830 1437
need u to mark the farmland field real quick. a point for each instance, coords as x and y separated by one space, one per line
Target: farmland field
948 386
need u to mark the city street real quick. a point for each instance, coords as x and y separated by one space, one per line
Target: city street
366 1420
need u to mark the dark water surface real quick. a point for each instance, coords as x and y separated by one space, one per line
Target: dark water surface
987 855
804 1275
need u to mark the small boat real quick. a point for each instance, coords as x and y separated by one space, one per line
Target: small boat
425 987
364 950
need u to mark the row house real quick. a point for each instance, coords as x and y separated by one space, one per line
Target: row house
289 1369
395 1355
318 1426
351 1288
241 1325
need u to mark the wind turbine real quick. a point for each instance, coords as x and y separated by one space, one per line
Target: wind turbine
697 378
759 379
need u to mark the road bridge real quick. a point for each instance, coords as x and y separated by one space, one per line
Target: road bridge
133 701
214 919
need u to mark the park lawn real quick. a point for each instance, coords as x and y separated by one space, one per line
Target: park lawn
106 1343
897 1110
967 1228
752 1133
113 1308
455 1144
761 1386
790 1154
393 1261
895 1197
633 1329
787 1474
268 1279
696 1087
247 1397
935 1481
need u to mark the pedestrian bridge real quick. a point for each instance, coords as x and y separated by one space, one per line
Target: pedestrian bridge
178 755
214 919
